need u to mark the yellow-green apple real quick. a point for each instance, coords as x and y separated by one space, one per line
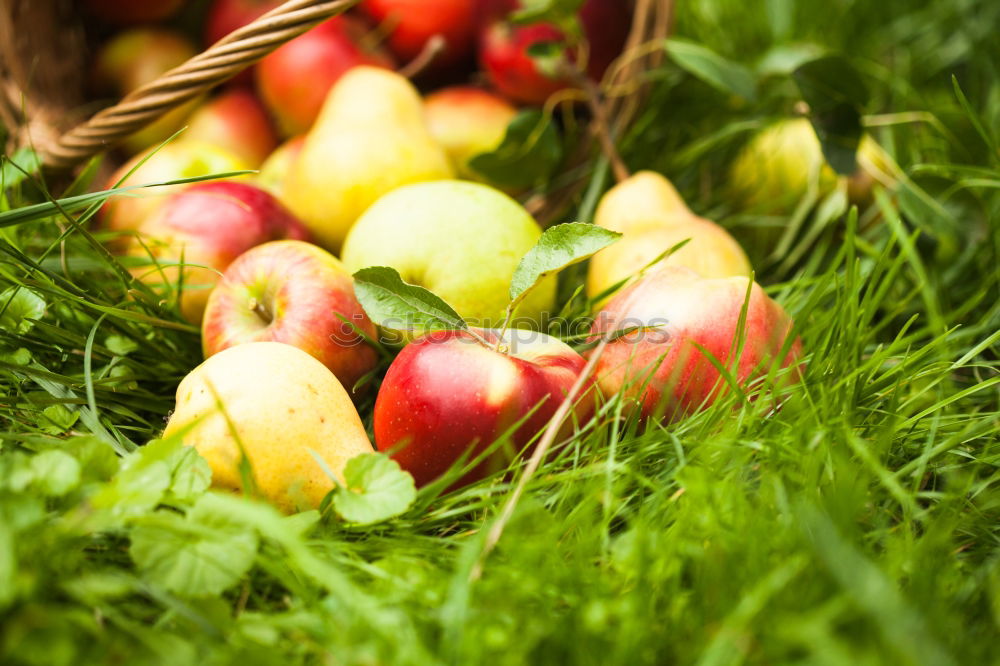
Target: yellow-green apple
293 292
276 408
461 240
412 23
130 12
370 138
206 226
504 47
467 121
174 161
236 121
294 80
135 57
662 368
274 170
447 395
652 218
874 166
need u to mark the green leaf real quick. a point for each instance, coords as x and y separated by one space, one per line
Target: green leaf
191 474
707 65
560 246
376 489
392 303
120 345
198 555
18 308
530 152
553 11
56 472
57 419
836 96
548 57
8 565
22 164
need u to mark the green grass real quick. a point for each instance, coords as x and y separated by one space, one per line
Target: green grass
857 524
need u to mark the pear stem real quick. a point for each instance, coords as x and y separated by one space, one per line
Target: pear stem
432 49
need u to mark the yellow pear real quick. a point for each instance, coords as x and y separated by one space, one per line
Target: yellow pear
281 409
652 217
369 138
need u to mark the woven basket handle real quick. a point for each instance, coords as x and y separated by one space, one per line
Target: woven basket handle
221 61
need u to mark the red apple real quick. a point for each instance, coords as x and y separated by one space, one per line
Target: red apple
467 121
236 121
447 395
130 12
503 48
414 22
297 293
208 225
134 58
293 80
662 367
174 161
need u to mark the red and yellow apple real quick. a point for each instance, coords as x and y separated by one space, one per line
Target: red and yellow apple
447 395
663 368
235 121
174 161
467 121
412 23
207 226
134 58
293 81
297 293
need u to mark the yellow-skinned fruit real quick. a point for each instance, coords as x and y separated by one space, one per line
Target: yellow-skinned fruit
370 138
652 216
279 407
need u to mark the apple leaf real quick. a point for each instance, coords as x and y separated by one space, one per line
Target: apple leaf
531 150
392 303
722 74
560 246
19 308
197 555
376 489
836 96
552 11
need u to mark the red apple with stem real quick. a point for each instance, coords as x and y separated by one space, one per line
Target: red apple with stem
294 80
297 293
236 121
412 23
664 368
448 395
207 226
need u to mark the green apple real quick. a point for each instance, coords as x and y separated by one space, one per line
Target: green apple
461 240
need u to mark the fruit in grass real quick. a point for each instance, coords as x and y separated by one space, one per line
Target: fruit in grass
297 293
174 161
208 225
370 138
413 23
459 239
135 57
274 170
294 80
129 12
467 121
504 47
447 395
279 408
236 121
663 370
653 218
